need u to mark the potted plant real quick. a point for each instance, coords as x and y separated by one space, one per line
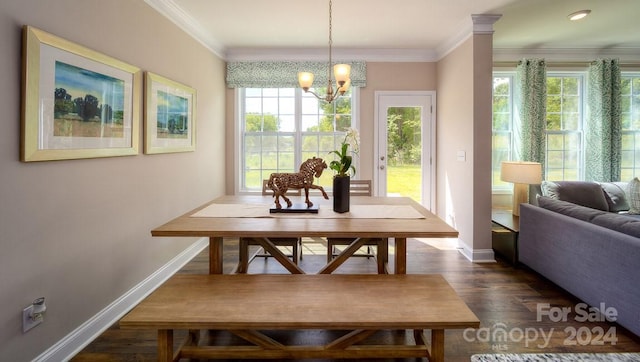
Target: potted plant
343 166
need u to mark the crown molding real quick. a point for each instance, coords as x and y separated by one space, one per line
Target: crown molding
483 23
321 54
173 12
475 24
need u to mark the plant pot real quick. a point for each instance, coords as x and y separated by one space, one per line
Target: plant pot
341 196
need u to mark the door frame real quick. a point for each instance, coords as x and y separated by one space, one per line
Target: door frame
430 153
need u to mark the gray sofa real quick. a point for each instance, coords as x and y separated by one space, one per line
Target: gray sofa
580 239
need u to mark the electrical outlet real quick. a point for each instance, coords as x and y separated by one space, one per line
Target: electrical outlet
27 321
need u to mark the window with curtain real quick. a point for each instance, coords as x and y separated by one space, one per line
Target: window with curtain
630 92
564 126
565 104
282 127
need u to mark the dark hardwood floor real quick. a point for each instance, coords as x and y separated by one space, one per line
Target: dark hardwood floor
505 299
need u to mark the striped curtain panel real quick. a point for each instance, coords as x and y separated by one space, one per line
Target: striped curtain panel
603 136
531 111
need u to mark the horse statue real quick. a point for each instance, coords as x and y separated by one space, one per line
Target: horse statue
279 183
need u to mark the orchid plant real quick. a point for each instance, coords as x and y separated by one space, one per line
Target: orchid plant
344 163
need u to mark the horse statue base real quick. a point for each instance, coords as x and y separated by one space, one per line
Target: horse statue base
296 208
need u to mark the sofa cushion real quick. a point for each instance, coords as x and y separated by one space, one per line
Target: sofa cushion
583 193
570 209
616 195
625 224
633 194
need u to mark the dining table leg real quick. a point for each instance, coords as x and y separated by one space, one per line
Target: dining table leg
401 256
165 345
216 257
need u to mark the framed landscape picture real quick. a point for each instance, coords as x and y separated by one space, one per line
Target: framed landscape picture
76 102
169 116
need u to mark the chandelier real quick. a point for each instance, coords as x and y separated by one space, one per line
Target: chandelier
340 71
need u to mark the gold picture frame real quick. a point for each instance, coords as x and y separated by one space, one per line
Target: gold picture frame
169 116
76 102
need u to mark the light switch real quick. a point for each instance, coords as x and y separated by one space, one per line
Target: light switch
462 156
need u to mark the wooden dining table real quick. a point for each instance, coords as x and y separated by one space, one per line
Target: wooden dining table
247 216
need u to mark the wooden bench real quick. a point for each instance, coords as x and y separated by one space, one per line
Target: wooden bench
249 305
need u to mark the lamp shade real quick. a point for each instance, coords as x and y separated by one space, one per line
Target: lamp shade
305 79
341 72
521 172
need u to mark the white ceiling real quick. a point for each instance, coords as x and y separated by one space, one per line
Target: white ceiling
403 29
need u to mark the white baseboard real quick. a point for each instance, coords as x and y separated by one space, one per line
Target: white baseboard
477 255
75 341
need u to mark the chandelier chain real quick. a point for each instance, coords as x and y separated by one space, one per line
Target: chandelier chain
341 72
330 41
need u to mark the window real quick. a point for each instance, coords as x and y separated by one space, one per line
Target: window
502 138
564 127
630 106
282 127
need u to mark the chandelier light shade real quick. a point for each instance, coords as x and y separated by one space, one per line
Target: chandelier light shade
306 80
341 72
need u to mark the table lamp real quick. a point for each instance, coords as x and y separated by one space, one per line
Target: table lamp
522 174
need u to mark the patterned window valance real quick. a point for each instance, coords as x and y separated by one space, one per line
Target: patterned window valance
285 74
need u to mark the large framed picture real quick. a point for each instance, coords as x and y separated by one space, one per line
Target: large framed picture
169 116
76 102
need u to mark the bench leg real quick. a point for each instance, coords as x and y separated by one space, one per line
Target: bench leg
165 345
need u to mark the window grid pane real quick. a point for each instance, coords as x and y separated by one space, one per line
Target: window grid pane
564 128
282 127
502 139
630 117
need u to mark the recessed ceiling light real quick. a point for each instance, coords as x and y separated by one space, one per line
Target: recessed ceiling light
579 14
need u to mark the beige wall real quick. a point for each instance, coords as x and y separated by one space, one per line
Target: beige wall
464 126
482 145
387 77
455 134
77 231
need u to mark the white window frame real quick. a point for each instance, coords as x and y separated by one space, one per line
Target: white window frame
636 132
239 132
582 76
582 94
507 188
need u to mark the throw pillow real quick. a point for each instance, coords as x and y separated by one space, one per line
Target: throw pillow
583 193
549 189
615 193
633 196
